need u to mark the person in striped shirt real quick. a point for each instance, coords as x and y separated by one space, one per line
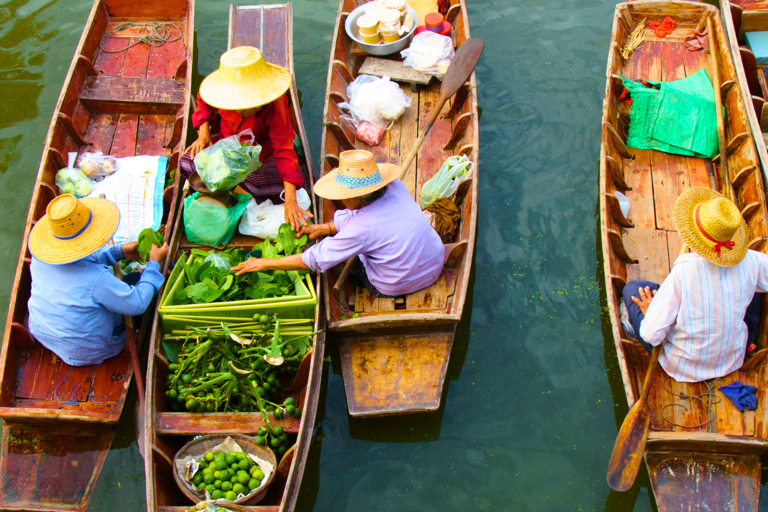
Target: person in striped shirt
705 313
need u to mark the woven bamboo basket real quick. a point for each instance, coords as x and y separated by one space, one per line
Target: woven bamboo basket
199 446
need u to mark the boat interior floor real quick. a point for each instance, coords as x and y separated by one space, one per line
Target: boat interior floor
656 180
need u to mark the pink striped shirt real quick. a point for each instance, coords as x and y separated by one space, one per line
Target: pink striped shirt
699 311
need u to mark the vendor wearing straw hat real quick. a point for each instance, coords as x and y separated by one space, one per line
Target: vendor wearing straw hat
248 93
399 250
77 305
705 312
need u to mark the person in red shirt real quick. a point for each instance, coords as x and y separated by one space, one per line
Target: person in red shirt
248 93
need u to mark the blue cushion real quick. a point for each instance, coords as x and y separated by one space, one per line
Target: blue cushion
758 43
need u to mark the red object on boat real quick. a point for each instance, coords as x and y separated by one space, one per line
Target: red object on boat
445 31
434 22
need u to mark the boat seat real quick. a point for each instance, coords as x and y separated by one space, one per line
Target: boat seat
132 95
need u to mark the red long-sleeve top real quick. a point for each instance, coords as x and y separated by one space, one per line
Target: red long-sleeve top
271 126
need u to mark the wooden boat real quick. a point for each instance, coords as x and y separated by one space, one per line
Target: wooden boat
270 28
702 454
739 17
394 352
59 421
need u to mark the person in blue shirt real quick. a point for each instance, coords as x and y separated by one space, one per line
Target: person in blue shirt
77 305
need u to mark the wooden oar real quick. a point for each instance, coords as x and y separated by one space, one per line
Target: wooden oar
633 434
130 336
462 65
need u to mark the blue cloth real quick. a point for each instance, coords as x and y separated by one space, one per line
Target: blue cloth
76 310
632 288
758 43
742 395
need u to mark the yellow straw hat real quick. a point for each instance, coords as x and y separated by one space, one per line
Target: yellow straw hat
358 174
73 229
712 226
244 80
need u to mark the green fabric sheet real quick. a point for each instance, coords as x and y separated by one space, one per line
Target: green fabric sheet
674 117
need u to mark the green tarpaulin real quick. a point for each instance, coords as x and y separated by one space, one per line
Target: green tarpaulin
675 117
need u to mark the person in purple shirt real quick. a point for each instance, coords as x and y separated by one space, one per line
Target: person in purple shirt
76 304
399 251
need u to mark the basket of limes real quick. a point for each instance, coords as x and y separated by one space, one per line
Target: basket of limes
224 469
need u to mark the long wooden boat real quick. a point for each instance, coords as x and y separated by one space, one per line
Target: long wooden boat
702 454
270 28
739 17
59 421
395 352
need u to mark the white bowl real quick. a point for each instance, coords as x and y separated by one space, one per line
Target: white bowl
378 49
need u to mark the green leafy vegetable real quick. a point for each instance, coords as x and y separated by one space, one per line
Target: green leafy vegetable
147 238
227 163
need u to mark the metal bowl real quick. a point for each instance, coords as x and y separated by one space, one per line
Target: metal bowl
382 48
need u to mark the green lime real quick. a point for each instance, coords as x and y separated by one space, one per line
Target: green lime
173 367
172 394
207 471
217 475
220 455
217 484
210 408
278 414
230 496
241 472
230 459
274 442
186 378
289 409
191 404
263 319
208 478
244 464
239 456
262 432
210 488
226 486
238 489
256 473
284 438
264 327
243 478
217 495
277 431
202 465
289 401
221 464
253 484
197 480
261 441
234 479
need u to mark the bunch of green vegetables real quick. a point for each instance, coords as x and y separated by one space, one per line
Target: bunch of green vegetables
218 370
207 277
147 238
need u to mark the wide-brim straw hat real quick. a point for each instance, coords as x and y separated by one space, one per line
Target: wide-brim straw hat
712 226
72 229
244 80
358 174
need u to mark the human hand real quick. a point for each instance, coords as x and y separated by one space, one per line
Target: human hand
295 214
645 298
313 231
249 265
131 251
202 142
158 254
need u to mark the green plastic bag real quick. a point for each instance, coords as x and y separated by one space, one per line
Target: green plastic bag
674 117
212 225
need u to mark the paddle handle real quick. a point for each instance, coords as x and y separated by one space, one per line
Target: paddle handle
415 150
344 273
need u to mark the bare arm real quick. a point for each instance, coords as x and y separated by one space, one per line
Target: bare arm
293 262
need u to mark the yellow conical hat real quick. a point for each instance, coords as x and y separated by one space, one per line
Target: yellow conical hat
244 80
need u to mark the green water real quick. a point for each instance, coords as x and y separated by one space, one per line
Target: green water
533 397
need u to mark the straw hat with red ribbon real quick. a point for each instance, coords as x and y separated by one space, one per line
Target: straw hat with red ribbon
358 174
712 226
72 229
244 80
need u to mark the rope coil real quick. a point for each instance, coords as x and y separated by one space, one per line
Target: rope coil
153 34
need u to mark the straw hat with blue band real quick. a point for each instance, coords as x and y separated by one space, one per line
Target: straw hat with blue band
358 174
72 229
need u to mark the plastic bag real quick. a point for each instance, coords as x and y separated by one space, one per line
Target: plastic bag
72 180
264 220
454 170
97 165
429 53
373 103
212 225
227 163
623 203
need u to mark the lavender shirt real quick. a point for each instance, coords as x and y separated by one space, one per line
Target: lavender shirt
400 250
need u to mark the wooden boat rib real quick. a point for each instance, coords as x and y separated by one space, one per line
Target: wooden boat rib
47 434
395 352
269 27
691 442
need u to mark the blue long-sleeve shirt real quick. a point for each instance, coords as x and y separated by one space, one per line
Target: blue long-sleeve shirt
76 310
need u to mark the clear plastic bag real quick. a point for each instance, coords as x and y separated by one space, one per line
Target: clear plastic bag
227 163
97 165
454 170
429 53
72 180
264 220
373 103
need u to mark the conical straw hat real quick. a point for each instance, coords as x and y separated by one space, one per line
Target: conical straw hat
358 174
712 226
73 229
244 80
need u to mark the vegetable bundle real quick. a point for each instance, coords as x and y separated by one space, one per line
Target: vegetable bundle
207 277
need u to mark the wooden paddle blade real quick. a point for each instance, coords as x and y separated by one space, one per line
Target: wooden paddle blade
628 450
462 65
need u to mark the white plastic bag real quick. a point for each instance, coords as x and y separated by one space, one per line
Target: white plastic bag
97 165
263 220
623 203
454 170
373 104
72 180
227 163
429 53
